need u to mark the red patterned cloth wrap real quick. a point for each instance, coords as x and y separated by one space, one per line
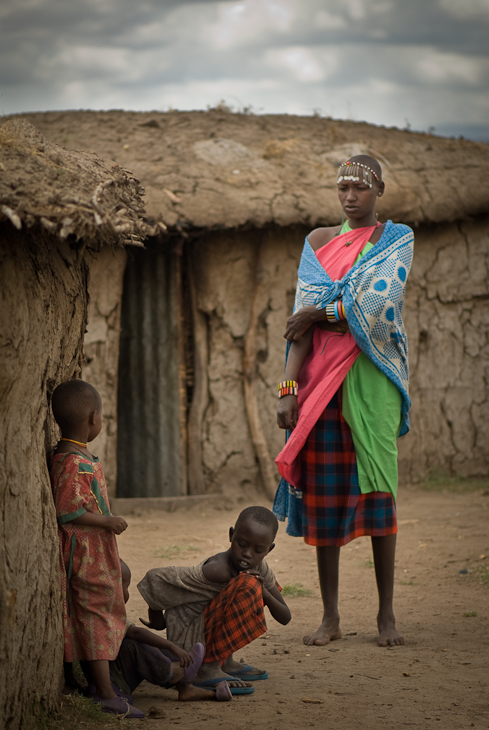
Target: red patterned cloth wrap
94 614
334 511
234 618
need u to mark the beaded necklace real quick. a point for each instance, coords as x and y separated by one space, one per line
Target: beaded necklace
72 441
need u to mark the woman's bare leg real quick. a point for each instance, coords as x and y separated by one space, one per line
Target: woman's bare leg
328 559
384 550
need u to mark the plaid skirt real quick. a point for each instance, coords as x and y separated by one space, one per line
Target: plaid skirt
234 618
334 511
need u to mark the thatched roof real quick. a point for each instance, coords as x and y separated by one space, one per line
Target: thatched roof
66 192
219 169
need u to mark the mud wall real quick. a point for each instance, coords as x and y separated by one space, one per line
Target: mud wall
102 350
446 315
43 311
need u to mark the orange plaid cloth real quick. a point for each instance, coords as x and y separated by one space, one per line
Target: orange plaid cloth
234 618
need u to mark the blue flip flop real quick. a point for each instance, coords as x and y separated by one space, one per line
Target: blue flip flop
212 684
242 674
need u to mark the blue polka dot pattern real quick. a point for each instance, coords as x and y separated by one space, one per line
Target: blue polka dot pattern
373 294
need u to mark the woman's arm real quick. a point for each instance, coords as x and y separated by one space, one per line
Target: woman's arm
93 519
287 411
302 320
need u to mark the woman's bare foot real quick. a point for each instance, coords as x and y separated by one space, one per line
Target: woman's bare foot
388 634
328 631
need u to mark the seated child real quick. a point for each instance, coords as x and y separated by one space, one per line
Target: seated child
221 601
144 655
94 614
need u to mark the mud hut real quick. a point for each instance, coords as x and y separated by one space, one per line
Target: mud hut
203 312
58 210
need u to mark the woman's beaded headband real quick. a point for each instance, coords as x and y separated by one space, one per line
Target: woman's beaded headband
352 171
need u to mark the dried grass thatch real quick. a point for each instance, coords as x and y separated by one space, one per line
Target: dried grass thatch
69 193
218 169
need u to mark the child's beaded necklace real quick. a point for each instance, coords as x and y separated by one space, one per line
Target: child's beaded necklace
72 441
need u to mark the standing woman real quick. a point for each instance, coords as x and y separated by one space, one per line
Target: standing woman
344 399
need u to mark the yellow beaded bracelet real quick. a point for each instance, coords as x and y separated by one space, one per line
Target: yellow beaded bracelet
288 387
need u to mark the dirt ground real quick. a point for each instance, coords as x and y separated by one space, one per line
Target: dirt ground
438 679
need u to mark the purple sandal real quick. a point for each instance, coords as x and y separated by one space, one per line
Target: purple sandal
197 652
223 692
118 706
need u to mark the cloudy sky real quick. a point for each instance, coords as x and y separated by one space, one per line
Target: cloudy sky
420 64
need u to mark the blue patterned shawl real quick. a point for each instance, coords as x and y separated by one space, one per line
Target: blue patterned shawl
372 292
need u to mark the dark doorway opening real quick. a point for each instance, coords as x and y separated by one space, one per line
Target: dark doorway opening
153 379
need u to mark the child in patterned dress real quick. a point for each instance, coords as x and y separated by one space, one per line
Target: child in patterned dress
94 615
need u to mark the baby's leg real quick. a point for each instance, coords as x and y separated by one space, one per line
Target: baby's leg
137 662
328 559
384 549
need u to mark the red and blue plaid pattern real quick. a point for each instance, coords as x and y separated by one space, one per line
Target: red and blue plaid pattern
334 511
234 618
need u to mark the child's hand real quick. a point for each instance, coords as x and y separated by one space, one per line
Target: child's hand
256 573
156 620
116 524
184 657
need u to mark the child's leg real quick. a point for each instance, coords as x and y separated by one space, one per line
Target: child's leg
384 550
328 559
99 669
233 619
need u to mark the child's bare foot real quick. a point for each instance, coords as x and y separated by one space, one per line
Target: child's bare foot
243 671
388 634
211 674
189 693
328 631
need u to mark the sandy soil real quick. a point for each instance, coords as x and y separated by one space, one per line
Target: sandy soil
438 679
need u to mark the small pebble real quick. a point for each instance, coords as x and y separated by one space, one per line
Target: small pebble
292 676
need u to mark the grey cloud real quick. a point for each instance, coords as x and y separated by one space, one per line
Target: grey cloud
160 50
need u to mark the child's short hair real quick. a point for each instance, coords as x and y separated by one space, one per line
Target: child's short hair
73 401
262 515
125 572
